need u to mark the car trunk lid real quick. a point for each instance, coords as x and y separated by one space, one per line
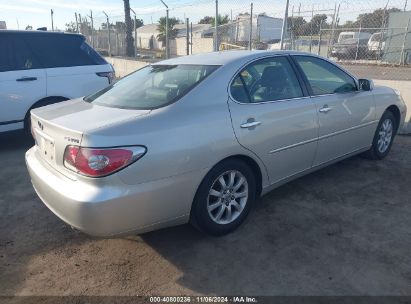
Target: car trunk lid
59 125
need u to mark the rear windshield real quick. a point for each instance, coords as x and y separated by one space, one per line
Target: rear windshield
152 86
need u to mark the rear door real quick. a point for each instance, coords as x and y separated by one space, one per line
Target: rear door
22 81
72 66
273 117
346 114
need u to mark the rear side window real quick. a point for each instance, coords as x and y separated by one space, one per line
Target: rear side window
266 80
152 86
324 77
63 50
6 54
15 54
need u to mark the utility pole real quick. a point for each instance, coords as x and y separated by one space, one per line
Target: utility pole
135 32
405 5
167 38
284 29
52 21
250 37
108 34
216 27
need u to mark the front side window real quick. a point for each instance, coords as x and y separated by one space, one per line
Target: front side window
267 79
324 77
152 86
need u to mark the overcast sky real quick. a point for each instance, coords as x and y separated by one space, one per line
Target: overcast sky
20 13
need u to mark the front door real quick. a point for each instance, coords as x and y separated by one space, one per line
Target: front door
273 118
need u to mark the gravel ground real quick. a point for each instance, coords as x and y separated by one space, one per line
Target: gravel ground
344 230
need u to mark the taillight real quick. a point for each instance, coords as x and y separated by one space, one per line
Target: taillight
100 162
109 75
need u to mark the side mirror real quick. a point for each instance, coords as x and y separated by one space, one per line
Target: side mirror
365 84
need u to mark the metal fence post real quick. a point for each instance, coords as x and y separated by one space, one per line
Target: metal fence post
319 39
92 28
311 29
108 34
250 39
216 27
187 37
402 59
358 41
52 20
284 28
191 42
75 14
331 37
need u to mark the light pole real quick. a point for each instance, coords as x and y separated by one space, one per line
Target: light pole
135 32
284 29
167 46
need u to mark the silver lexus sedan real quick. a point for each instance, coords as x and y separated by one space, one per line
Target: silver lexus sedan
198 138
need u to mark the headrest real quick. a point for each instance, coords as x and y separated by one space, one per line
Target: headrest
273 75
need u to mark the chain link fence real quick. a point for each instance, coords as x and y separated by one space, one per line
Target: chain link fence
361 32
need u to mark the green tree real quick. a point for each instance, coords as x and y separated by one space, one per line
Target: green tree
29 28
210 20
296 25
372 21
172 32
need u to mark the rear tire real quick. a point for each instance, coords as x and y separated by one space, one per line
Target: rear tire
224 198
383 138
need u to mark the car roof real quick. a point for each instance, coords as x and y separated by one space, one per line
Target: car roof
36 32
223 57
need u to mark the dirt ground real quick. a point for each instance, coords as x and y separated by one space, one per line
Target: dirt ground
344 230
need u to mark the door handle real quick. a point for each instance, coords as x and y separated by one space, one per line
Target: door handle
26 79
250 124
325 109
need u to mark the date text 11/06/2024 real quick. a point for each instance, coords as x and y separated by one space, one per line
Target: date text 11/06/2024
203 299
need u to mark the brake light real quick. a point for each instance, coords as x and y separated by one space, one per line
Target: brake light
100 162
109 75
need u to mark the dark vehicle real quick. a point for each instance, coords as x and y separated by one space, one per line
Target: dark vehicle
353 48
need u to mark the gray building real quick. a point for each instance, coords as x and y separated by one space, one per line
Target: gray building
397 48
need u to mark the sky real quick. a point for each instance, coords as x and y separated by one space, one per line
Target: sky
20 13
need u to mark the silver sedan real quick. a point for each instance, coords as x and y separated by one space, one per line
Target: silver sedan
198 138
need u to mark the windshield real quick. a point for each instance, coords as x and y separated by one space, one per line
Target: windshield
152 86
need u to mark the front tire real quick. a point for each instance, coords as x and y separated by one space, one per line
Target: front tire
383 138
224 198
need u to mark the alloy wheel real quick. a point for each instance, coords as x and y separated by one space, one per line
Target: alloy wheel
385 135
227 197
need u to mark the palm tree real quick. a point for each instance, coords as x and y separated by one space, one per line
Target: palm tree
129 30
172 32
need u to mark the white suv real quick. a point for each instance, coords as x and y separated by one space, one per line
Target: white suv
39 68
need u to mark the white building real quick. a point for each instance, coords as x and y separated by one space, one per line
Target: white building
265 29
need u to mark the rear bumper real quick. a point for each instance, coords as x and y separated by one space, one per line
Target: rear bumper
114 208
